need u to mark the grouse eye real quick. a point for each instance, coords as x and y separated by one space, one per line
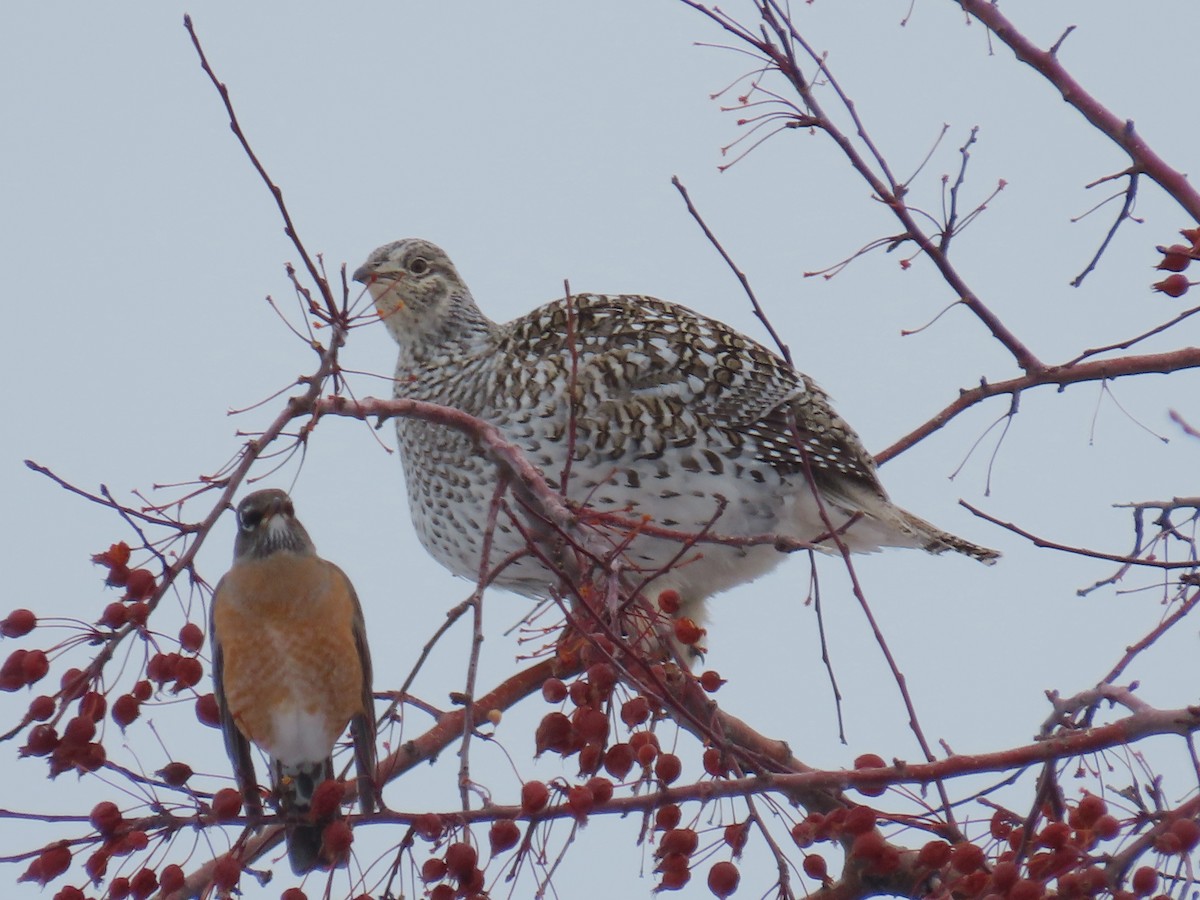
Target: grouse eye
419 266
249 519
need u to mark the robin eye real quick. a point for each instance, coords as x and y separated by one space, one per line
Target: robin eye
250 519
419 266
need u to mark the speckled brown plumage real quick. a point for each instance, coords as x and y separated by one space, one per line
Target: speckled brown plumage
672 412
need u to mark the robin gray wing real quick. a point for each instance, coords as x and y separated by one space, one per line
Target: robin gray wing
362 726
236 746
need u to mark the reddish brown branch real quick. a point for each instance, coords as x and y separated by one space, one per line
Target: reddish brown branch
1120 131
1095 370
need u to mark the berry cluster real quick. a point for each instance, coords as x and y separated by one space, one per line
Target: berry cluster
1176 259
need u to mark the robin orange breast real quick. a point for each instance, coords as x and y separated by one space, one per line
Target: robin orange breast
291 669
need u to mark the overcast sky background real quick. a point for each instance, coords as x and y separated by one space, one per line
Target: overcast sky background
535 141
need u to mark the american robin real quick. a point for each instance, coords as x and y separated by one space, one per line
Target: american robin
291 668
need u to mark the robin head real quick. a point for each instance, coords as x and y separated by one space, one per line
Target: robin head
419 294
267 524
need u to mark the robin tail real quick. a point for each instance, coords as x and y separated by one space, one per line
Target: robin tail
294 786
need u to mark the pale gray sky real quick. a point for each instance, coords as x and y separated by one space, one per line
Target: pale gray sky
535 141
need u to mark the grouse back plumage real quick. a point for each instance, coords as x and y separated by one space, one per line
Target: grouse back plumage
665 414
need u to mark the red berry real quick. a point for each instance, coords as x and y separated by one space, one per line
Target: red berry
175 774
1145 881
618 761
105 817
93 705
433 869
96 865
581 801
336 838
12 673
1175 258
114 615
868 845
711 681
1188 833
160 668
553 690
1168 844
687 632
678 840
18 623
934 855
859 820
91 757
815 866
170 879
1055 835
207 711
1173 285
1090 809
125 710
668 768
35 666
42 739
601 788
139 585
189 672
1004 875
503 835
326 799
41 708
591 756
293 893
646 755
736 835
49 864
674 879
714 763
69 892
226 872
79 731
137 613
669 601
667 817
442 892
1107 827
118 888
227 804
870 761
429 826
142 690
1000 826
1026 889
590 726
142 884
555 733
602 676
461 859
966 857
804 834
635 711
74 684
191 637
723 879
534 796
580 693
472 885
